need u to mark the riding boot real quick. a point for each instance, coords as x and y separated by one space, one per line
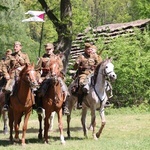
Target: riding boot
65 108
7 98
80 99
39 104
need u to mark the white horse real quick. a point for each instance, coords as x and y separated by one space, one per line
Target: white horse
95 99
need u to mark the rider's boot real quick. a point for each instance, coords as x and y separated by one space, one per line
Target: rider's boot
65 108
7 98
39 105
80 99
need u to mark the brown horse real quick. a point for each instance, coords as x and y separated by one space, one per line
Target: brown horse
21 101
53 100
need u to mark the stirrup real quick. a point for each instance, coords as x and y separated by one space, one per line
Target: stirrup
66 111
79 106
5 107
39 110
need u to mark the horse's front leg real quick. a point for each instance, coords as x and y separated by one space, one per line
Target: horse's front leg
83 119
103 120
93 122
17 118
60 125
46 127
24 129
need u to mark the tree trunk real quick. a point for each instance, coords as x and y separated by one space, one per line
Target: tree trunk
63 28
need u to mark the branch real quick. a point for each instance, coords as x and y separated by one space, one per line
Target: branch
50 14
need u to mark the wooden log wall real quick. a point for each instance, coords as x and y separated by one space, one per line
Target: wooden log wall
108 32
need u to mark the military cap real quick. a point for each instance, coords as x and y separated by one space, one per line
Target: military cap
94 47
8 51
49 46
87 45
17 43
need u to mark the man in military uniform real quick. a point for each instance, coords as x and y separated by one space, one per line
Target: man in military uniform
11 69
85 64
5 58
42 67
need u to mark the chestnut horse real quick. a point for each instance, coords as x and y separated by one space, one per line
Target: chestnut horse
95 99
53 100
21 101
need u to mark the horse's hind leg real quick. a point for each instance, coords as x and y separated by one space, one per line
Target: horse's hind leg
103 121
83 119
5 119
52 121
11 120
40 126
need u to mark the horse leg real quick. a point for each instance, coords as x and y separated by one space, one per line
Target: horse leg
52 121
24 129
60 125
83 119
93 122
46 127
17 119
5 119
11 121
40 126
71 103
103 121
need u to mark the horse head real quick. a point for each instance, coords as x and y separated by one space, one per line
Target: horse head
108 69
54 69
29 76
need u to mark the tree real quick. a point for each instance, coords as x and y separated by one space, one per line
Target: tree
63 26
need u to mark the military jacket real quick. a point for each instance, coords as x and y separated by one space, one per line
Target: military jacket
42 64
86 63
14 61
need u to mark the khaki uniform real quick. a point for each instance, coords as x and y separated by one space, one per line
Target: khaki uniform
86 65
43 64
12 66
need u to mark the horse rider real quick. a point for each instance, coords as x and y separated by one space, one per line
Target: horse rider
11 69
2 79
85 65
108 84
42 67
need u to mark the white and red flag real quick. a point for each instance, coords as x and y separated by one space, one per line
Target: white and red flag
38 16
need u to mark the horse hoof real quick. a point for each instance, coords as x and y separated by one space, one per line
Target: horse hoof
97 135
23 144
63 142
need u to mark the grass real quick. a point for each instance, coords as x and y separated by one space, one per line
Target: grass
124 130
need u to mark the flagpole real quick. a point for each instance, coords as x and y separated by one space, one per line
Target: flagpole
41 38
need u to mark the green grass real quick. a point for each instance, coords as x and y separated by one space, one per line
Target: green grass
124 130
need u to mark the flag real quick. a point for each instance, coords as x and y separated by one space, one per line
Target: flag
38 16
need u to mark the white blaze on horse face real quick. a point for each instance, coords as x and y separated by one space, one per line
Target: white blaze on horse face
109 70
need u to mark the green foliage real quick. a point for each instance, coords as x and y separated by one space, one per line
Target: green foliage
132 65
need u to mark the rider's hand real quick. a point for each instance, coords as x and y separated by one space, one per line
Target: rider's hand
7 77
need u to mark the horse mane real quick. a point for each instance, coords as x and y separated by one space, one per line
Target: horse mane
29 66
97 69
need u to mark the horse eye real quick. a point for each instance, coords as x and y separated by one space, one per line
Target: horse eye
106 66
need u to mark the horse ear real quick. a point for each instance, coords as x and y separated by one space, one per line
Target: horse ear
110 58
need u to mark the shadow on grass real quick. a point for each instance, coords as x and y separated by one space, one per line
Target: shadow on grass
6 142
